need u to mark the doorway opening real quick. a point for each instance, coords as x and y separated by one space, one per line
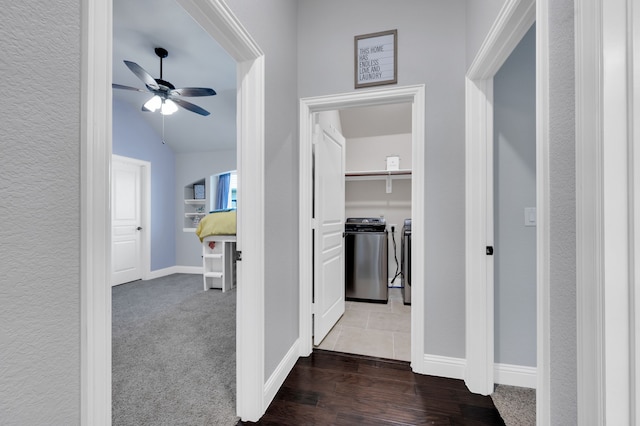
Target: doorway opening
414 96
512 23
375 218
217 20
150 326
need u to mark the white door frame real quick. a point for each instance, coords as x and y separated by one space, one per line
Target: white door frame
513 21
145 211
607 208
217 19
608 211
308 106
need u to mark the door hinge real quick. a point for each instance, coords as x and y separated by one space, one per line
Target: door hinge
238 256
489 250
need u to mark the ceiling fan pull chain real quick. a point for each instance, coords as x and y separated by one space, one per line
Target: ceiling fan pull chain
162 128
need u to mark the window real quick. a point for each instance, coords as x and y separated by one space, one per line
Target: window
227 183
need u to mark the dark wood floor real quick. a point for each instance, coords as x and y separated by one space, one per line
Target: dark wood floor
331 388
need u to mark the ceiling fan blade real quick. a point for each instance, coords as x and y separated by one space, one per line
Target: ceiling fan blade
120 86
193 91
142 74
191 107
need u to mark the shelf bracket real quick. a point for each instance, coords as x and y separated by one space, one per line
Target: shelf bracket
389 184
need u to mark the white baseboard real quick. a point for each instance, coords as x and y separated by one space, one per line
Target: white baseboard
504 374
280 374
515 375
197 270
159 273
444 366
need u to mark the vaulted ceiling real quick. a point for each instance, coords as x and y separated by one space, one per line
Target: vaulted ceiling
196 60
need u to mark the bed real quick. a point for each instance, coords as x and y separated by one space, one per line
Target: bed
218 222
217 232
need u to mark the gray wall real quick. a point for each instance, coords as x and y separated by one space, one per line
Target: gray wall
514 114
40 211
431 50
480 17
562 175
40 185
273 24
192 167
134 138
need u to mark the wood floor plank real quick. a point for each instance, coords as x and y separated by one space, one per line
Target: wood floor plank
350 419
329 388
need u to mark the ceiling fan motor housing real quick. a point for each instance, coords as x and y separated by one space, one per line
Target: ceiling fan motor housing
161 52
165 86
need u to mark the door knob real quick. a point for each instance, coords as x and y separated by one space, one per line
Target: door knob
139 228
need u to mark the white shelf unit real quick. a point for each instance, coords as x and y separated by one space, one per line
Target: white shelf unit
218 264
194 208
388 175
377 174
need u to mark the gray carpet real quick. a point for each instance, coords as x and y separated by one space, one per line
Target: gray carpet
173 353
517 406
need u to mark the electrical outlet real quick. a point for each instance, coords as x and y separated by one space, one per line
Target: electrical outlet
393 227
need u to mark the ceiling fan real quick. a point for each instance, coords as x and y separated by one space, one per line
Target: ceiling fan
164 93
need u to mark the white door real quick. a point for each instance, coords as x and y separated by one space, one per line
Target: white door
126 255
328 291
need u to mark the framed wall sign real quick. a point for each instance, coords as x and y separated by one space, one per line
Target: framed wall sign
376 57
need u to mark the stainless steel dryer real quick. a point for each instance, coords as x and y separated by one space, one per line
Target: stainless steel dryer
366 251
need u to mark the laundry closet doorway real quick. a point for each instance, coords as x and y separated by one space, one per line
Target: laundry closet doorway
377 197
369 179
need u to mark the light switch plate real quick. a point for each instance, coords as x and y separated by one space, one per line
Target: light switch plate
529 216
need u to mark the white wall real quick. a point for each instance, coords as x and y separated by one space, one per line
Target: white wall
330 118
40 210
514 113
431 50
370 153
191 167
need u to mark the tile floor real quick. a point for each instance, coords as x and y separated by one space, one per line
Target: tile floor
373 329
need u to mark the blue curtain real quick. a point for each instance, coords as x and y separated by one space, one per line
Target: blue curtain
223 191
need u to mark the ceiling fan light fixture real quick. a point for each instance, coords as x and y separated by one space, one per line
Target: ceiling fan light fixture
168 107
153 103
164 91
